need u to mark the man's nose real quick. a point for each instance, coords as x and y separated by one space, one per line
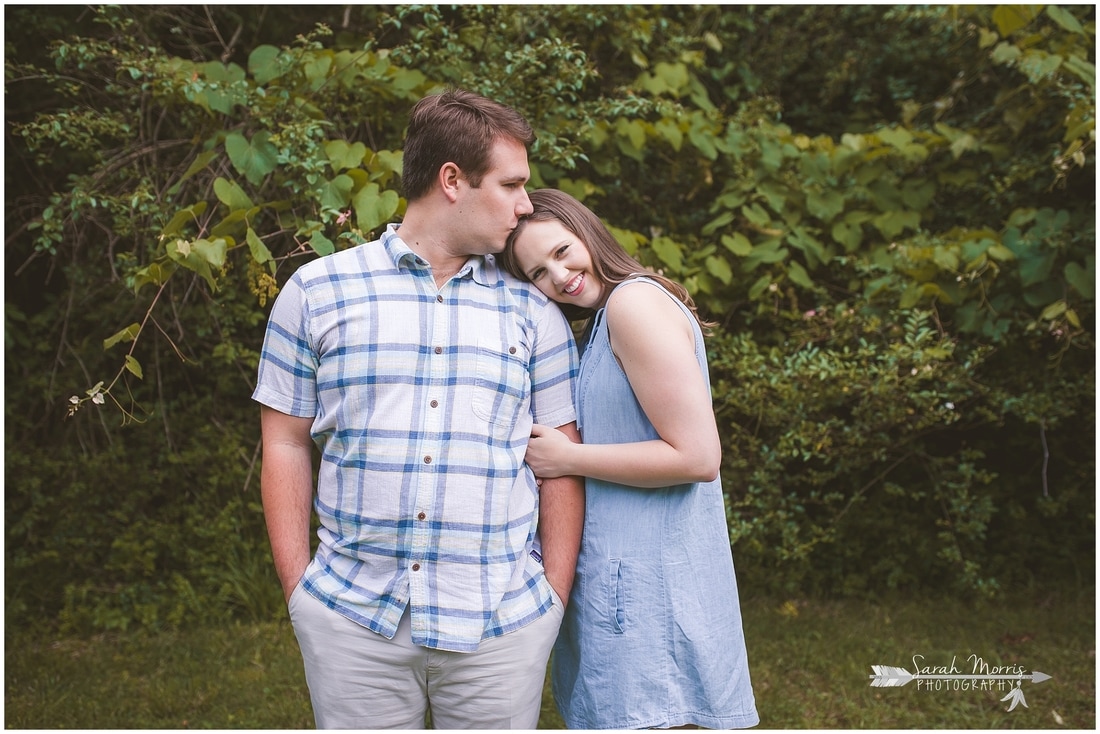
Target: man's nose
524 207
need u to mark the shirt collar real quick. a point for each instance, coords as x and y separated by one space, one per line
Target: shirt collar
482 269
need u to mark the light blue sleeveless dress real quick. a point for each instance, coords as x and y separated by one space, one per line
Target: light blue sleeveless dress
652 635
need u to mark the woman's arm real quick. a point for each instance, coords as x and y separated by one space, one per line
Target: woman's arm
655 344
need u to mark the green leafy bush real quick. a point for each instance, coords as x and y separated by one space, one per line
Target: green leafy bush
895 232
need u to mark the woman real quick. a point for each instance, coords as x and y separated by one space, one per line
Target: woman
652 635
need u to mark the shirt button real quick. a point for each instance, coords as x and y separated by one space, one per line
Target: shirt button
511 350
416 566
427 460
434 403
439 350
421 516
439 298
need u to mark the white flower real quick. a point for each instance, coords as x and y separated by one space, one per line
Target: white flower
949 405
98 398
74 400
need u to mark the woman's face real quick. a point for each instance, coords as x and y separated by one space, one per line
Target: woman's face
558 263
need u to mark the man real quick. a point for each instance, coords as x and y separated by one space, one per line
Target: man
417 367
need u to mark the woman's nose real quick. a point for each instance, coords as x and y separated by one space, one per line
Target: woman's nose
559 274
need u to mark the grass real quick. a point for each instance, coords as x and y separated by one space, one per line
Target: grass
810 662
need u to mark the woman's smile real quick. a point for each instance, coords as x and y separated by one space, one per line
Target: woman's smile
575 286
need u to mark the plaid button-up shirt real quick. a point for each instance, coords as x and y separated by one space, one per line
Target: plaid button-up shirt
422 400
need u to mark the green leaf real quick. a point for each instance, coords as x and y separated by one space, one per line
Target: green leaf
847 234
264 64
704 142
202 160
824 204
1082 279
756 214
670 131
720 269
222 94
1001 253
211 251
891 224
387 161
1006 53
342 155
1083 69
675 76
629 239
766 252
1054 310
256 158
317 68
133 366
126 335
1011 18
199 256
946 258
897 137
321 245
373 207
1035 268
632 130
737 243
962 144
155 273
232 195
809 245
182 218
917 194
910 297
336 194
256 246
798 275
670 253
405 80
760 286
232 222
717 223
1065 19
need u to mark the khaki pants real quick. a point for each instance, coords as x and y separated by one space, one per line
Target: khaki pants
360 680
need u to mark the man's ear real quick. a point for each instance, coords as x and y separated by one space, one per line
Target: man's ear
449 177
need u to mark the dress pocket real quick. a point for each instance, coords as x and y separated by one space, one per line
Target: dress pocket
617 600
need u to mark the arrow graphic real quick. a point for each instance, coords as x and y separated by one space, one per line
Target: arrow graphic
888 676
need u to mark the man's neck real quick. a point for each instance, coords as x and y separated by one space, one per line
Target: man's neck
425 242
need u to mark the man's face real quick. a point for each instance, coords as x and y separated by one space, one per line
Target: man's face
491 211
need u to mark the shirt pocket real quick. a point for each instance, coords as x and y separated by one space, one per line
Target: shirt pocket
502 386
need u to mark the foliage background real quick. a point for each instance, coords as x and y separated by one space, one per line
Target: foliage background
889 209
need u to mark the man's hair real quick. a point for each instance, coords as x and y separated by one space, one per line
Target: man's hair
610 261
460 127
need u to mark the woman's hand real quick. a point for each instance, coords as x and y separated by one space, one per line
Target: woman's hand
548 452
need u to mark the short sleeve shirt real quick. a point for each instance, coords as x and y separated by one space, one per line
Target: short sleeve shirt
422 400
